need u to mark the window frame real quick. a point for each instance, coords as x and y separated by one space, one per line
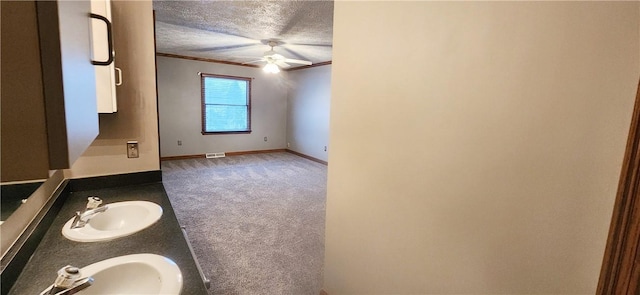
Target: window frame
203 107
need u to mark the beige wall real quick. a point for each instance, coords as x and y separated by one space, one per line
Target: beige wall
179 99
137 117
308 103
476 146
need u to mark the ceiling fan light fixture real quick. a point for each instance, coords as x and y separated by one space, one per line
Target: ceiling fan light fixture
271 68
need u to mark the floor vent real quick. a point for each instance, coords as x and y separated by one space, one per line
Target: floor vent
214 155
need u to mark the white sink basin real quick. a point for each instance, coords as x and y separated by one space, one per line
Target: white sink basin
133 274
119 220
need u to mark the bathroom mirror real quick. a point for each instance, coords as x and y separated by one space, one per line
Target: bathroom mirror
14 194
18 226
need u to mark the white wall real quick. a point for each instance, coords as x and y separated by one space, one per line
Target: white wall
308 111
180 109
136 118
476 146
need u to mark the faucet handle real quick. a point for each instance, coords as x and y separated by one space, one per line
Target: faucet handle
93 202
67 276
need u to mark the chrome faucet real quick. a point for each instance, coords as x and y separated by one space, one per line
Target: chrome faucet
69 281
94 206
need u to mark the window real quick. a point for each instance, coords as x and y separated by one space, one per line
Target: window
226 104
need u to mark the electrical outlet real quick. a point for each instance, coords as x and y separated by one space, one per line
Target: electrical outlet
132 149
179 142
325 148
288 145
265 138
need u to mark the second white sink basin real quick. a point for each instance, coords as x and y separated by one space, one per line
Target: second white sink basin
133 274
119 220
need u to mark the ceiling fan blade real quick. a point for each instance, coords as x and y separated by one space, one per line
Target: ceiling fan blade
295 54
223 47
298 61
253 61
282 64
308 44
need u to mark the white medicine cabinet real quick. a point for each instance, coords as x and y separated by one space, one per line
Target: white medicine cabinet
108 76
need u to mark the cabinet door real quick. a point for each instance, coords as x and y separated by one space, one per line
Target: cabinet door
22 116
105 74
68 79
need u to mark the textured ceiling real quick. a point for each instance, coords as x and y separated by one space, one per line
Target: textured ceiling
235 31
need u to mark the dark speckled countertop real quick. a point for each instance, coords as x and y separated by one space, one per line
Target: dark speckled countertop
163 238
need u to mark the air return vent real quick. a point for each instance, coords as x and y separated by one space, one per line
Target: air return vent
214 155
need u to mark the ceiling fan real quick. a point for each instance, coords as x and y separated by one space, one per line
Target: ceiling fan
275 61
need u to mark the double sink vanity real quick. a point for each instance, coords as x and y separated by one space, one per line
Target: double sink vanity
126 242
134 243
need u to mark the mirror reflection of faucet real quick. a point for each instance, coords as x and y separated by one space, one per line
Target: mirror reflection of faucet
69 281
94 207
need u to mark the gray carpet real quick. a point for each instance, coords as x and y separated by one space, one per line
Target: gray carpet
256 222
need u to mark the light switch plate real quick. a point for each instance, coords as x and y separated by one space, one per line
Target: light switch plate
132 149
